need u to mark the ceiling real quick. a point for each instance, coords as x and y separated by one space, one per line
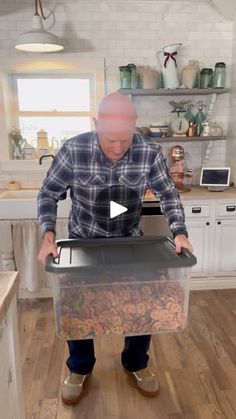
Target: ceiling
226 7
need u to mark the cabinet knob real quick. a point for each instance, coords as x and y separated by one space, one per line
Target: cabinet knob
219 222
207 223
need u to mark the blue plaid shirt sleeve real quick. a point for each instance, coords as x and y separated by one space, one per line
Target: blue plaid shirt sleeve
163 187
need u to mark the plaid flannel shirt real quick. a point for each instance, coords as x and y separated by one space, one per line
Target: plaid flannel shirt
81 167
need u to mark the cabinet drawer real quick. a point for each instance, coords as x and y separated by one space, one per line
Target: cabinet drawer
226 209
195 211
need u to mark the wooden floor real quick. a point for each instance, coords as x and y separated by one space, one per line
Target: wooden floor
196 368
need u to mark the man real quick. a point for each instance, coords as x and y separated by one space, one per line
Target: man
112 156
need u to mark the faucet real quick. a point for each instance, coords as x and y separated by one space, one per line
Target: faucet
45 155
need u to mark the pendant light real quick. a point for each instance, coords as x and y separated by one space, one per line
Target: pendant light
37 39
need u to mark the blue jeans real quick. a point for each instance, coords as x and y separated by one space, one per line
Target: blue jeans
134 356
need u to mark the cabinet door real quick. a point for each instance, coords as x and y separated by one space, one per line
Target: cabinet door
225 248
199 232
11 389
7 402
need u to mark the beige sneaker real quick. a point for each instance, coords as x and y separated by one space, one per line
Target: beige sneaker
145 381
72 388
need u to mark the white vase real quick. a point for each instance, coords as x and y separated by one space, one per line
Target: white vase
168 59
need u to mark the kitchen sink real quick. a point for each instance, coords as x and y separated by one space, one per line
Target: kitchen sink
21 194
22 205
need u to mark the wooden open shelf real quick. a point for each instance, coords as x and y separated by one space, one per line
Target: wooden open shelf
172 92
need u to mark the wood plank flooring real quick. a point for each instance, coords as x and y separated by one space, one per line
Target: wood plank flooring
196 368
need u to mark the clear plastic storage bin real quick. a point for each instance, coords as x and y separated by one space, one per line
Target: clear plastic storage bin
120 286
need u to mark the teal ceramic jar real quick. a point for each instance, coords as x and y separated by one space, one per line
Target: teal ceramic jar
133 76
219 75
125 77
206 78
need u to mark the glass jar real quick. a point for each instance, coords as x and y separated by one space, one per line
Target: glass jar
133 76
29 152
206 76
219 75
188 179
125 77
216 129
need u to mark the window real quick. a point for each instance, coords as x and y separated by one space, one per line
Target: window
62 105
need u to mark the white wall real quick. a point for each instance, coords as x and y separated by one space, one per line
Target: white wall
131 31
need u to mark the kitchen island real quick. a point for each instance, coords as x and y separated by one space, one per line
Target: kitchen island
11 390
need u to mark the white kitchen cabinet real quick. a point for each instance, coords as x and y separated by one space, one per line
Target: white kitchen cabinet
198 222
212 231
225 239
199 232
11 391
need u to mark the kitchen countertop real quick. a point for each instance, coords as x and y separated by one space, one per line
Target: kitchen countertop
196 192
9 283
199 192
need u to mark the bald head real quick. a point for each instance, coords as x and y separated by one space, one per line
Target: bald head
115 125
116 107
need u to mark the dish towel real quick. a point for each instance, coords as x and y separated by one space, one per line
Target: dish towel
27 240
7 262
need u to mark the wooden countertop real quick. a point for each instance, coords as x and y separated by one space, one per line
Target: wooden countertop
199 192
9 283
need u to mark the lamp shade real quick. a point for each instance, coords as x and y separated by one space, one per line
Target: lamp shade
38 40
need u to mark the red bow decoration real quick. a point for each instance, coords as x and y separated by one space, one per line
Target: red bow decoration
168 55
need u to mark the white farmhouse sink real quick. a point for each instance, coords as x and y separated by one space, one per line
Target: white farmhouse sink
21 194
22 205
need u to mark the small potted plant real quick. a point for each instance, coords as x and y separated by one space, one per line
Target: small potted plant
16 144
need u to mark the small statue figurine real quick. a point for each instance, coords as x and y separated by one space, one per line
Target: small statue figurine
177 167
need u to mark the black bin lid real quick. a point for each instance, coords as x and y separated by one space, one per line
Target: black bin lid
140 252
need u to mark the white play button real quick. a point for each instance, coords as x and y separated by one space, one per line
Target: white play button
116 209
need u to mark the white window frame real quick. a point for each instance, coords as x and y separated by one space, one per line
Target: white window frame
15 116
8 103
19 113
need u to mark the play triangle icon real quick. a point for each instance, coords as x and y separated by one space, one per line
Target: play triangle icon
116 209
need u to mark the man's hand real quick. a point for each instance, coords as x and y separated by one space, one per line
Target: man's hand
181 241
48 247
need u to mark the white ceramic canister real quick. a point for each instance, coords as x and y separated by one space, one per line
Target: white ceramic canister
148 78
168 59
190 75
